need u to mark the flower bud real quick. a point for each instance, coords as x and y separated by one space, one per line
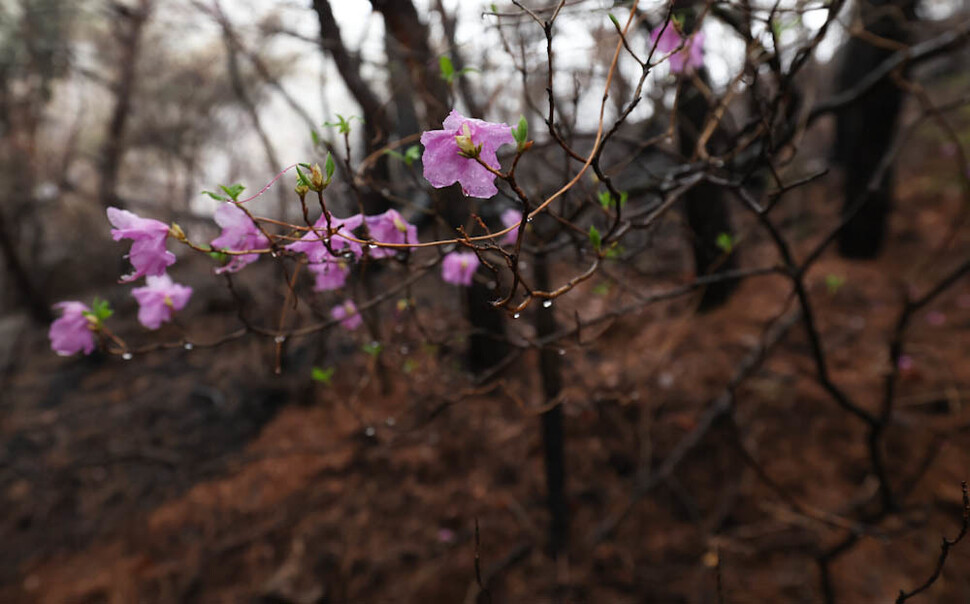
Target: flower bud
176 232
317 182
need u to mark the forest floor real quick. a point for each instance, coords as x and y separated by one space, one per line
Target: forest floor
199 475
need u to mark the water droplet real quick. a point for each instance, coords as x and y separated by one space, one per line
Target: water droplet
370 431
279 339
188 346
562 352
274 254
517 315
127 356
348 255
529 219
405 350
326 241
390 421
372 246
546 303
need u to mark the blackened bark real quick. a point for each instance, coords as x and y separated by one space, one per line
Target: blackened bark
130 25
706 205
35 301
865 129
553 434
377 123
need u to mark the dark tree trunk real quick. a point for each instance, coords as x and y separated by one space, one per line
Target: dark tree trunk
130 25
377 124
706 205
865 130
553 435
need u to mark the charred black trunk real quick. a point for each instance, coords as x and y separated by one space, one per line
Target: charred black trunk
706 205
865 130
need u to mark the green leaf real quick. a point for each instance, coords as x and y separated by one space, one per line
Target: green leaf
233 191
412 155
602 289
606 199
324 376
215 196
724 242
613 18
343 123
834 283
329 167
614 252
301 178
465 70
595 238
373 348
447 68
521 131
315 137
219 257
101 309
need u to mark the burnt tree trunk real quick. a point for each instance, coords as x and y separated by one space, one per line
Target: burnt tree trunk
130 25
553 434
705 205
865 130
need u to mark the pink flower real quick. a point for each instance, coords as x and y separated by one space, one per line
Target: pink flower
238 234
330 275
71 332
511 217
458 268
669 39
148 254
158 299
390 227
443 166
347 314
311 244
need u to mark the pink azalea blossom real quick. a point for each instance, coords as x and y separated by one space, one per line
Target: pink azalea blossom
669 39
71 332
330 275
389 227
238 234
347 314
444 166
458 268
316 252
158 299
148 254
511 217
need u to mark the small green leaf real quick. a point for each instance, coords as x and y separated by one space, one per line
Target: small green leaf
233 191
834 283
315 137
215 196
373 348
219 257
329 166
606 200
324 376
521 132
101 309
602 289
412 155
614 252
301 178
724 242
595 238
615 21
447 68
